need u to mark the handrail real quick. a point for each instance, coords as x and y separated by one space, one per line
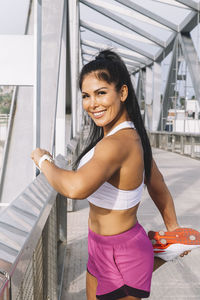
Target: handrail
180 142
22 226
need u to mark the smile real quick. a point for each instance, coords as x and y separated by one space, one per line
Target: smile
98 114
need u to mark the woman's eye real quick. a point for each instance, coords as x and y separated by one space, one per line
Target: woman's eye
101 93
84 96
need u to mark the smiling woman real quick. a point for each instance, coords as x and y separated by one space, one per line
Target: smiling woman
102 102
111 174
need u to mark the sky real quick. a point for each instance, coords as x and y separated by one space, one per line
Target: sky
13 14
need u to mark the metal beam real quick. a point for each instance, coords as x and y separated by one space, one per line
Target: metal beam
129 66
140 90
192 61
157 84
169 88
149 14
73 9
103 31
190 19
37 77
105 9
130 62
125 52
191 4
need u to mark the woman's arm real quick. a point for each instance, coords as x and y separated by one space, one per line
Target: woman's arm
79 184
162 198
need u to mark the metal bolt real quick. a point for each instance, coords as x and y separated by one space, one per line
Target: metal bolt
163 241
161 232
5 274
192 237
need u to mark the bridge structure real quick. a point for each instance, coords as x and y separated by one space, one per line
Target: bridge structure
44 44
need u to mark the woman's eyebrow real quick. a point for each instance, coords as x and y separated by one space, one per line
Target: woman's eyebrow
104 87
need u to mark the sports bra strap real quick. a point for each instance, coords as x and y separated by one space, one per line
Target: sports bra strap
126 124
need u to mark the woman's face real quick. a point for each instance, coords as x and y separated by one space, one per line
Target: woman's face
101 100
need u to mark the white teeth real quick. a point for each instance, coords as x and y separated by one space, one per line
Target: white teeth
98 113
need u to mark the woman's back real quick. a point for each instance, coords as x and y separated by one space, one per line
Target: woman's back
114 205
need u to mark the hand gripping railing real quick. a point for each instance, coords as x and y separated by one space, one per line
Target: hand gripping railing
33 243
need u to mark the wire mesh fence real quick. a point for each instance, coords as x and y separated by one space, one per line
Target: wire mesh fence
34 272
40 278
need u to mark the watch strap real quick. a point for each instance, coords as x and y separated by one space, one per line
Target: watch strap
43 158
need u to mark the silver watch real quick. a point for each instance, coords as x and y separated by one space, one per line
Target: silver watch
45 157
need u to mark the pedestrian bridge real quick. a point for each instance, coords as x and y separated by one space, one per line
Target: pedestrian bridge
43 235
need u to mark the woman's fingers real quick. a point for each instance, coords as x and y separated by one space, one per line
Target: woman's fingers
37 154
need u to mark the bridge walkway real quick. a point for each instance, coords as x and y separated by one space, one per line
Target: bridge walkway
178 279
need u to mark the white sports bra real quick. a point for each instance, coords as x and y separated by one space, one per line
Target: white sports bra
107 195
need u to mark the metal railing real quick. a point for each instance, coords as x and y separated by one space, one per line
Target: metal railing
33 235
182 143
73 150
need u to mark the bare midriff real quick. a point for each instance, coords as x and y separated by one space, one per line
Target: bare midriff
110 222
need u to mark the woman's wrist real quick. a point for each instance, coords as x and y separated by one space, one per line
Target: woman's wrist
38 154
43 158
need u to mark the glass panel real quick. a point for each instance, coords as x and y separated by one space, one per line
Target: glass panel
89 35
6 93
138 19
195 34
118 30
171 13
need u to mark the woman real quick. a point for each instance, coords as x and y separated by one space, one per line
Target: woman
111 174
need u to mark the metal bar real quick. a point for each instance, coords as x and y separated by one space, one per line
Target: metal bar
191 18
192 60
148 98
68 66
129 61
74 57
182 145
105 9
157 83
58 80
126 53
192 147
37 73
190 3
103 31
169 88
135 6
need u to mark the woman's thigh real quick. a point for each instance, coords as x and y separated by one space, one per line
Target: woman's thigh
91 286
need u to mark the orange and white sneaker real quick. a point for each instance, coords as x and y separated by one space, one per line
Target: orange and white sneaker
170 244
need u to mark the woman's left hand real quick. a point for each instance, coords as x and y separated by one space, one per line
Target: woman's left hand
37 154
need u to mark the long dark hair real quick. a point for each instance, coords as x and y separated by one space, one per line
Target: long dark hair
109 67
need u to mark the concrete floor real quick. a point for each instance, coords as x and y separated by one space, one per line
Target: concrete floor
178 279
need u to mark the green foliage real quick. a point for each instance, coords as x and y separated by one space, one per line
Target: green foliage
182 102
5 102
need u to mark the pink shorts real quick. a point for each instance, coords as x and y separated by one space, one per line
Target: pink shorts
122 263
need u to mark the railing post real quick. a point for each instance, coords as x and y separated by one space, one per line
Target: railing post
192 147
182 144
173 142
159 139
